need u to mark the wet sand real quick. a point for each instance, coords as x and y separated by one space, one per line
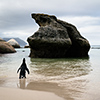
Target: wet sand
11 90
19 94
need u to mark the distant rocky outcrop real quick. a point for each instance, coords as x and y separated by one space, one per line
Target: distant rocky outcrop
26 46
1 40
56 39
21 42
14 43
95 47
6 47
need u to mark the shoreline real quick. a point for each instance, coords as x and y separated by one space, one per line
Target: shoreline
23 94
24 89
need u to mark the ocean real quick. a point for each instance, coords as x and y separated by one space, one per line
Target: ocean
70 78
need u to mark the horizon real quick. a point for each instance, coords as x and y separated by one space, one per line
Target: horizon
27 42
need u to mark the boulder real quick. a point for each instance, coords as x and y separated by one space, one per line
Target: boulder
6 47
14 43
56 39
21 42
1 40
26 46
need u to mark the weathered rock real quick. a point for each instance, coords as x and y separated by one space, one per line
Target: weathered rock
56 39
14 43
80 45
1 40
6 47
21 42
26 46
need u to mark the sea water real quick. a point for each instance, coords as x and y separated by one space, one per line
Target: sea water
70 78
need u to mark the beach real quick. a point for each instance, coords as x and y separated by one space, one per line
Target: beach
29 88
56 79
18 94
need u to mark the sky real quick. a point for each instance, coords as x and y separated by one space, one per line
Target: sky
16 21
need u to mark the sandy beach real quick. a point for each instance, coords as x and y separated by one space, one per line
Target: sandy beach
26 89
56 79
19 94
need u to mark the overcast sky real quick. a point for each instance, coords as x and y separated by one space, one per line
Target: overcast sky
16 21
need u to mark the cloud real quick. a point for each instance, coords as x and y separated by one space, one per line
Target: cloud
23 32
82 21
15 15
61 7
88 26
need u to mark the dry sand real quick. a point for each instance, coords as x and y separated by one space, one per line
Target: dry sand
21 94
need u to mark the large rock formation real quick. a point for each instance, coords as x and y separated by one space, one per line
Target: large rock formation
14 43
56 39
6 47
